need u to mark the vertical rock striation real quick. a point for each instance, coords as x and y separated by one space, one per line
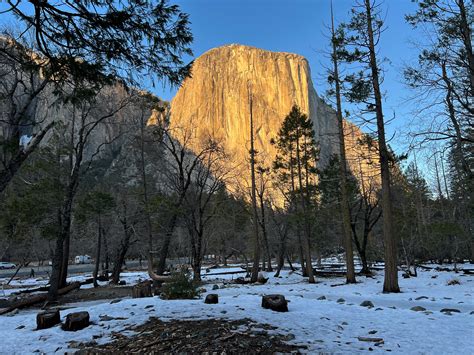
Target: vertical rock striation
214 102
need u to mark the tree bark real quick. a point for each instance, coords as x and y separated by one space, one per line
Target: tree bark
122 251
390 241
263 224
97 256
256 246
307 229
161 266
344 200
466 26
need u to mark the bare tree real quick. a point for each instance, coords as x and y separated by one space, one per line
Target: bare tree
86 118
201 202
183 157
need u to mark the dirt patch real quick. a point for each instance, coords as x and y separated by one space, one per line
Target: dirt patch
108 292
191 337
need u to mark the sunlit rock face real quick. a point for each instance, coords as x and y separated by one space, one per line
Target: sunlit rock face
215 102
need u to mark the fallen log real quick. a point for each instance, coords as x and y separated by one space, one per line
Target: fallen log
30 301
374 340
46 287
152 274
37 289
329 273
224 273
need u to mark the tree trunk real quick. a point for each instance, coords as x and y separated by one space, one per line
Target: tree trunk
390 241
65 260
256 251
289 263
106 253
466 26
301 253
97 256
121 252
307 228
197 269
263 224
161 267
344 200
56 270
281 255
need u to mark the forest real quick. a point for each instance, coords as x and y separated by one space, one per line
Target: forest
92 164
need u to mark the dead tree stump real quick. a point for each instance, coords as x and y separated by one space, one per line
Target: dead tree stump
47 319
142 289
276 303
76 321
261 278
212 298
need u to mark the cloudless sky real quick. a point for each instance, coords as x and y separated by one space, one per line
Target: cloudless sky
299 26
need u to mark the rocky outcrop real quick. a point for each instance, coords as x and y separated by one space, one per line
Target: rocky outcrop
214 102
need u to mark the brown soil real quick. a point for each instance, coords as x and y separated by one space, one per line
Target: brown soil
108 292
195 337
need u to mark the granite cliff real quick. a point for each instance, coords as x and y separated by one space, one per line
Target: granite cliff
214 102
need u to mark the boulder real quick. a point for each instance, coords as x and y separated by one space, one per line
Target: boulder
47 319
341 300
321 298
367 304
276 303
215 287
76 321
450 310
212 298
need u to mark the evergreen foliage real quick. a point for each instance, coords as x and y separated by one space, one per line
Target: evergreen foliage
181 286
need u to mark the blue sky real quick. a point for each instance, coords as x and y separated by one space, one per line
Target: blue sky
299 26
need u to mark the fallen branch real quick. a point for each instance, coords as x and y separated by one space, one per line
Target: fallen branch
374 340
39 298
154 276
224 273
37 289
16 272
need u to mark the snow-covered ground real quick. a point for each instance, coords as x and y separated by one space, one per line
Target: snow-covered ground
324 325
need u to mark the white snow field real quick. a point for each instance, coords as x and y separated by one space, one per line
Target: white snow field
323 325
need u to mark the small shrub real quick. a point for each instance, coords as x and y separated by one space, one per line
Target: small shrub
181 286
453 282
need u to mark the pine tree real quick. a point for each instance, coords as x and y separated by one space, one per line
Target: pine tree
344 199
363 33
295 167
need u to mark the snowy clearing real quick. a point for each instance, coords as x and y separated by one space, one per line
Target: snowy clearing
327 325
